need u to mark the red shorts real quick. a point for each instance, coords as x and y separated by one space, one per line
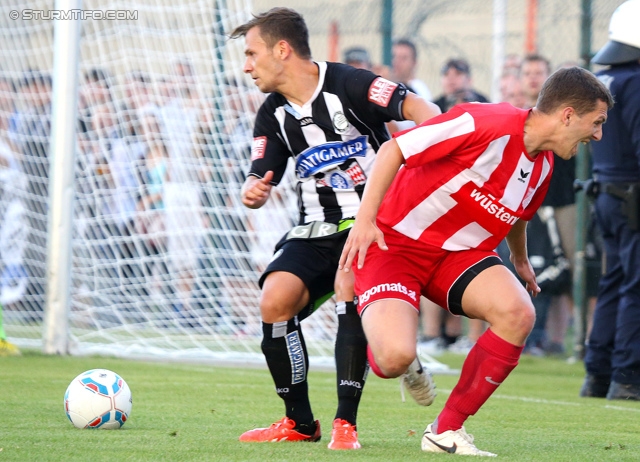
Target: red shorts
412 268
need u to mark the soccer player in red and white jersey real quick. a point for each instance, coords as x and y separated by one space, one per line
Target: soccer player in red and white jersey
440 198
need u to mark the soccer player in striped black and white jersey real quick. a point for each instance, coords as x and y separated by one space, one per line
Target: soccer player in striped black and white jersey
469 178
329 118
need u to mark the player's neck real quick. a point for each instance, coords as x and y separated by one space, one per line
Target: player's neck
536 133
301 82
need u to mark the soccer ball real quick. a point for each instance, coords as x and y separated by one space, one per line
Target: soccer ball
98 398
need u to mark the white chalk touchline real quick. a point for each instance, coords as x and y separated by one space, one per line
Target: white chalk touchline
547 401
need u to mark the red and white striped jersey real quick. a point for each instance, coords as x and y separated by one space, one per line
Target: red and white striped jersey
467 178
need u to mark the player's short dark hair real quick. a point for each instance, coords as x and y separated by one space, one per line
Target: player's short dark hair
575 87
408 43
279 24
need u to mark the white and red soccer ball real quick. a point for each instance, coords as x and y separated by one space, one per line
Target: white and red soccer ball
98 398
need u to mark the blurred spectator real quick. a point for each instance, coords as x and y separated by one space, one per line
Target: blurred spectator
512 63
150 220
10 156
357 57
561 197
137 95
95 96
440 329
13 225
512 92
457 85
179 120
96 90
534 72
404 63
156 164
167 90
124 150
33 128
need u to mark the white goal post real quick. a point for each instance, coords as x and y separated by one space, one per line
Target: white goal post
134 242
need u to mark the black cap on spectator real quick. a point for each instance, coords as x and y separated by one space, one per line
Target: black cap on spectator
356 55
459 65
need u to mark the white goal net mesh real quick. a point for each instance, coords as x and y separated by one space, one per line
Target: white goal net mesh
165 257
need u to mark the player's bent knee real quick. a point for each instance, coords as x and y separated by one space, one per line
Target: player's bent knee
517 319
274 310
283 297
394 362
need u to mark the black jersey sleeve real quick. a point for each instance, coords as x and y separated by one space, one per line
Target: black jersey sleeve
378 97
269 150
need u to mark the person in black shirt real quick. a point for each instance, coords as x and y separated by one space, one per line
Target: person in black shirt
456 85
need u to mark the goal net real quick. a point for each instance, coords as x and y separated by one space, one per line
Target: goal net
165 259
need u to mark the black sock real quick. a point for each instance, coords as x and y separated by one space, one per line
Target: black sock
286 354
351 361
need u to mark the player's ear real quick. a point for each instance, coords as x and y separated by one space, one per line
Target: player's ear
283 50
567 113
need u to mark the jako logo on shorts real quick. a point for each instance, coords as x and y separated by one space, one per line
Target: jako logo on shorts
386 287
298 367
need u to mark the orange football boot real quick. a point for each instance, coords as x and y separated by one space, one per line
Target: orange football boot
282 430
344 436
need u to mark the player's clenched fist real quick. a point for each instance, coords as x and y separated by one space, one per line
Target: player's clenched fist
255 191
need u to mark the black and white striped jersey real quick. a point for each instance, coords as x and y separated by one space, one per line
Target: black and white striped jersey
332 138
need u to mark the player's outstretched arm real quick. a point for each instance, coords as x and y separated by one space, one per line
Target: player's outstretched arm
517 241
256 191
418 109
364 231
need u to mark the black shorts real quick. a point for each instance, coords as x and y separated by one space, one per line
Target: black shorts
314 261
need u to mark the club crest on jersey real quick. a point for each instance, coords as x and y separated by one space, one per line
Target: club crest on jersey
381 90
340 122
258 147
324 157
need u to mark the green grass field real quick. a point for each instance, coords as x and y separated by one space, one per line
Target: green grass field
185 412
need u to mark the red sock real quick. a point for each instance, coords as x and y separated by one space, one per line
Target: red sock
372 364
487 365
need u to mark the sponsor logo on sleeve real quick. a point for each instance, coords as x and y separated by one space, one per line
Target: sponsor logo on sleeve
258 147
381 90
